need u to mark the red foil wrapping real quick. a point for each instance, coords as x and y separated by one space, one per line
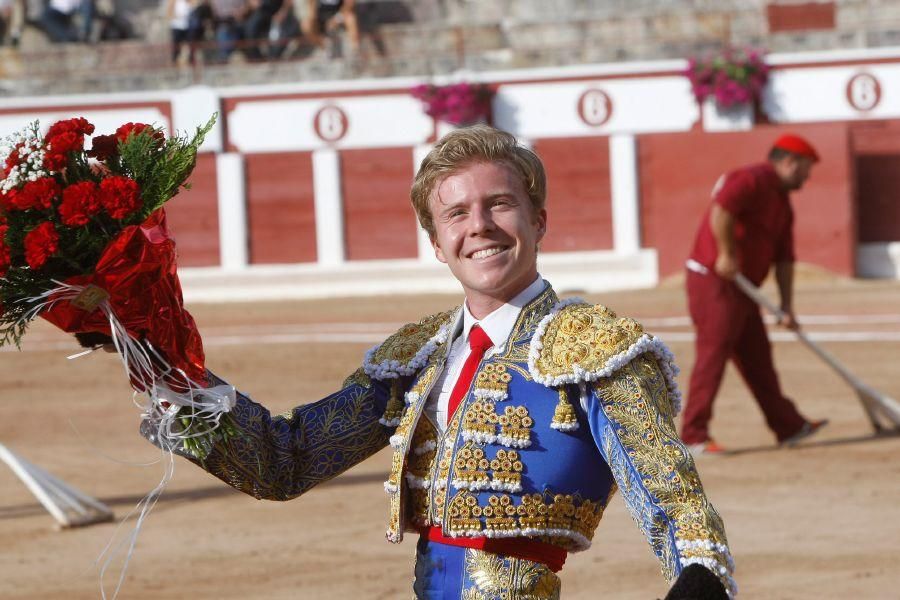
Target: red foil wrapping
138 271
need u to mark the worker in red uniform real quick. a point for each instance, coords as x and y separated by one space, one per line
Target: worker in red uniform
747 228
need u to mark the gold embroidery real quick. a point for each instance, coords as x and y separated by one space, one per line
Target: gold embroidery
441 469
535 514
393 481
358 377
425 380
480 421
517 345
419 467
515 427
492 382
394 409
507 471
470 468
278 458
497 577
460 511
405 344
636 401
564 417
584 335
500 513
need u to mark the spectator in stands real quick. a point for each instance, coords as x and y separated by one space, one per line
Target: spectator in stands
113 24
259 19
188 20
324 17
229 16
58 20
284 31
12 17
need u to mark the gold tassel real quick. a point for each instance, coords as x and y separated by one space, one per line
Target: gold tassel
394 409
564 418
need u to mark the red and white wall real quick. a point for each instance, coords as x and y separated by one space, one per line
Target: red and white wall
302 190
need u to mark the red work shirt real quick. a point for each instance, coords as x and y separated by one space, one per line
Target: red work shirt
764 220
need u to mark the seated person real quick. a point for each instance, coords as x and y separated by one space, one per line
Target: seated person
58 20
325 17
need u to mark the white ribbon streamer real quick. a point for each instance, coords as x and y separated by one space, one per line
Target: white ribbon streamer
162 410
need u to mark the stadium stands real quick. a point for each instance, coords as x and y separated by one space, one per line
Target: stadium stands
438 36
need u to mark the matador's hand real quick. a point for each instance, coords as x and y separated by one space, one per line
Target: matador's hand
696 582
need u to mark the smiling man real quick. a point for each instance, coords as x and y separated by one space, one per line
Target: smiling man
514 418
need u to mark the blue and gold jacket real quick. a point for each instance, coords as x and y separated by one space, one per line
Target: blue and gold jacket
577 404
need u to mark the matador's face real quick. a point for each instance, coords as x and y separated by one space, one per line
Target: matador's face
487 231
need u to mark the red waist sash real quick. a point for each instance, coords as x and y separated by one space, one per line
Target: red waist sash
520 547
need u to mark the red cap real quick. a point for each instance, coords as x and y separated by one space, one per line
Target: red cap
796 145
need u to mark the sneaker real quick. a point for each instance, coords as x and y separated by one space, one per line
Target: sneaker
807 429
708 447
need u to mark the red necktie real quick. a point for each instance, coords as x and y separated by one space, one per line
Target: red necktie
479 342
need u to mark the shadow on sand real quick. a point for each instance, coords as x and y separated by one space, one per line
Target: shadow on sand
169 499
860 439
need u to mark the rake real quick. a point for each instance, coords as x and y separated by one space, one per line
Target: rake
877 406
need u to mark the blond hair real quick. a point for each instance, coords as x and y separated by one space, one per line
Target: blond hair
475 144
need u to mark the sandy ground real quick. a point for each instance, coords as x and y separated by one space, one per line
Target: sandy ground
821 521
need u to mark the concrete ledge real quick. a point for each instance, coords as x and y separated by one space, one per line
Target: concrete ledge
569 272
878 260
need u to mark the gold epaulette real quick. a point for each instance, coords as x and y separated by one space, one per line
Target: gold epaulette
580 342
408 350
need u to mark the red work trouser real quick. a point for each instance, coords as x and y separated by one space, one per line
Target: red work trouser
729 325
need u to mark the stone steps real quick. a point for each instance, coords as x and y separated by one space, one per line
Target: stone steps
431 37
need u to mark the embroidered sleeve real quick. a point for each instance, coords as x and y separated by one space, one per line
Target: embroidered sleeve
631 418
281 457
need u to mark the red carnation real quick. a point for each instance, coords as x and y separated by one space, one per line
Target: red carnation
8 200
80 201
54 161
40 244
12 160
129 129
39 193
78 125
68 141
104 147
120 196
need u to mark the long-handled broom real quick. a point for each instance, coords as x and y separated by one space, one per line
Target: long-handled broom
878 406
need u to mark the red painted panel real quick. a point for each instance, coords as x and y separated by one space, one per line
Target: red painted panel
579 205
193 216
281 217
800 17
876 137
677 173
878 188
379 221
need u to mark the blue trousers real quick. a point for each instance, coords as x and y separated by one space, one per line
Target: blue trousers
453 573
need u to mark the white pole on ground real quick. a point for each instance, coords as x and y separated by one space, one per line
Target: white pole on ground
69 506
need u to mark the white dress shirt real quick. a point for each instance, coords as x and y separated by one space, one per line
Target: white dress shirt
498 325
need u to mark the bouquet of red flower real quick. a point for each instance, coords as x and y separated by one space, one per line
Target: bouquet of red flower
457 104
84 244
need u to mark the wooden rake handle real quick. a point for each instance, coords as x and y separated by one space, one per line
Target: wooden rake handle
871 399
